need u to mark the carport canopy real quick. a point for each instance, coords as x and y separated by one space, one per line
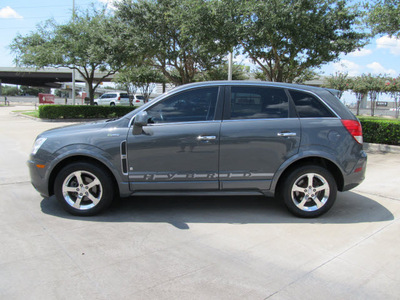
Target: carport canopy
46 77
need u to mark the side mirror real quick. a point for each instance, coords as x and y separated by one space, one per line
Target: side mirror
141 120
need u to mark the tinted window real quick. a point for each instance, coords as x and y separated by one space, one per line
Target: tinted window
194 105
308 106
258 103
124 95
140 97
108 96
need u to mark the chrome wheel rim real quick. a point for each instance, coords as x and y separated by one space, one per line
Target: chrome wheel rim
310 192
82 190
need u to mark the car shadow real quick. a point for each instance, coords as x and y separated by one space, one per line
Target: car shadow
180 211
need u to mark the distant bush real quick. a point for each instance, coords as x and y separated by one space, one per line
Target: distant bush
381 131
82 111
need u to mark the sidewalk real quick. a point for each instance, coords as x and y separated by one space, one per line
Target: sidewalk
381 148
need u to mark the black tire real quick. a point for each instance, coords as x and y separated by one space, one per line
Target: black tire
112 104
309 191
84 189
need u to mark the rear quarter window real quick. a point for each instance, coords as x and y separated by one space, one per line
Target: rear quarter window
249 102
308 106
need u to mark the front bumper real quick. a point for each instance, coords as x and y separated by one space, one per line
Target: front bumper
38 178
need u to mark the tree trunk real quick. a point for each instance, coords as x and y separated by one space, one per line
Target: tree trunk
91 91
373 96
359 97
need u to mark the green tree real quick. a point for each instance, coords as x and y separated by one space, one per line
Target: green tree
141 78
358 87
392 87
375 86
91 42
285 38
33 91
220 72
384 17
175 36
9 90
370 85
339 81
306 75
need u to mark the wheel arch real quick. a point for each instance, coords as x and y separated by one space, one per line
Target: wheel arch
79 158
312 160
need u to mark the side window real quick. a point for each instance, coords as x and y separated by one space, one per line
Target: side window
258 103
307 106
188 106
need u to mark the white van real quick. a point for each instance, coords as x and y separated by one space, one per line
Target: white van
113 98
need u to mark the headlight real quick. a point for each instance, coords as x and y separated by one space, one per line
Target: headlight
38 143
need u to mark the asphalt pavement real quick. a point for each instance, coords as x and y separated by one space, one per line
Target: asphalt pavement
194 247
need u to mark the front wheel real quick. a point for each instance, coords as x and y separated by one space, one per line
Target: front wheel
83 189
309 191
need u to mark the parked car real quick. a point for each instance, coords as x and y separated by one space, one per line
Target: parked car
296 142
137 100
113 98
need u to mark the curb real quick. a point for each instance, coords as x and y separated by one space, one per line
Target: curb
382 148
55 120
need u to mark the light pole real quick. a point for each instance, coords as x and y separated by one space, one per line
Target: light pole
73 70
230 64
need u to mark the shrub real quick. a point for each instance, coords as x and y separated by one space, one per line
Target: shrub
82 111
380 131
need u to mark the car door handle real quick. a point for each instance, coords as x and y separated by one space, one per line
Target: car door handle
206 137
287 134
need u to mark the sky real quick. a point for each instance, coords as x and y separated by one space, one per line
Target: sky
381 56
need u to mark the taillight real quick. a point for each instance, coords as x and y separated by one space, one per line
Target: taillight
137 101
354 128
119 98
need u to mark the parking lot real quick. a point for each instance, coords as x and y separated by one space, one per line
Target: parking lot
194 247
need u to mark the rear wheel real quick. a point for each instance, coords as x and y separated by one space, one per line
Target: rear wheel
83 189
309 191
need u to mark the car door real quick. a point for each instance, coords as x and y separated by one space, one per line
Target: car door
257 136
124 99
102 99
179 147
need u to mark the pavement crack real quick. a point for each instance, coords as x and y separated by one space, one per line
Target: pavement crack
14 183
377 194
337 256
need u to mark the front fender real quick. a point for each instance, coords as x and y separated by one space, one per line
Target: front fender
81 151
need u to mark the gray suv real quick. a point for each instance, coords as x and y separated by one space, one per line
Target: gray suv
296 142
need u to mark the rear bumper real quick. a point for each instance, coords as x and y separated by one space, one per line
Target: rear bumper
357 175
